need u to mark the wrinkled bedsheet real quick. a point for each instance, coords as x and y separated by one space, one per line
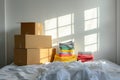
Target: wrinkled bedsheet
96 70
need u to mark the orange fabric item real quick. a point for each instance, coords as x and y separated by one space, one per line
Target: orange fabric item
53 54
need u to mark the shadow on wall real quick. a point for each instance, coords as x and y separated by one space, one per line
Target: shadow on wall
2 49
10 44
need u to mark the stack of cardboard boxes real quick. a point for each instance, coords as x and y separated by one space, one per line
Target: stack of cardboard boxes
31 47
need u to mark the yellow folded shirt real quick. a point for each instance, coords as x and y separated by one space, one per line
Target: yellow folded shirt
66 50
65 59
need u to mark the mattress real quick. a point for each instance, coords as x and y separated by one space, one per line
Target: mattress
95 70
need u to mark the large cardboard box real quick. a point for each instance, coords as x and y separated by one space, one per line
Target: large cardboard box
31 28
32 56
33 41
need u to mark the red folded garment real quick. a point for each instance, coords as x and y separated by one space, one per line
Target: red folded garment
85 57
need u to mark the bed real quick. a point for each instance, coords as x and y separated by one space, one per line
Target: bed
95 70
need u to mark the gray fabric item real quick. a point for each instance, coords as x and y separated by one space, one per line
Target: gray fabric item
66 46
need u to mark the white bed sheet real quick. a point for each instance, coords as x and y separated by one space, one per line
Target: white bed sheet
96 70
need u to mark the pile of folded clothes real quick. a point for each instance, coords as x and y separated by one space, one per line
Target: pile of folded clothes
66 53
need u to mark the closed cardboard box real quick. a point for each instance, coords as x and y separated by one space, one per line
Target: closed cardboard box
33 41
32 56
31 28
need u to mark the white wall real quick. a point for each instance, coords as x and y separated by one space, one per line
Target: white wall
118 31
108 44
40 10
2 33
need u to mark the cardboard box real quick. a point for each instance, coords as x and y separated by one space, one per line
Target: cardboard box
33 41
31 28
32 56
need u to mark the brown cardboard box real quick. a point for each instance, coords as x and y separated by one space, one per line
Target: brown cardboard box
32 56
31 28
33 41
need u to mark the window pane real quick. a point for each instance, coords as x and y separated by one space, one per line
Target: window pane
90 39
50 24
52 32
90 24
64 20
91 13
64 31
92 48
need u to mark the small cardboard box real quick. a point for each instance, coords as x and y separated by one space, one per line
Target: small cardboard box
32 41
32 56
31 28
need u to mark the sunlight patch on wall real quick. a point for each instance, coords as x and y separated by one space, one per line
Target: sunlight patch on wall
90 39
90 24
90 13
91 19
50 27
65 25
52 32
64 31
51 23
91 48
59 27
64 20
90 42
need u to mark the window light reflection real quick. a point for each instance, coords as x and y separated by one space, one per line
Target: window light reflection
64 31
90 39
52 32
90 14
59 27
64 20
51 23
91 48
90 24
